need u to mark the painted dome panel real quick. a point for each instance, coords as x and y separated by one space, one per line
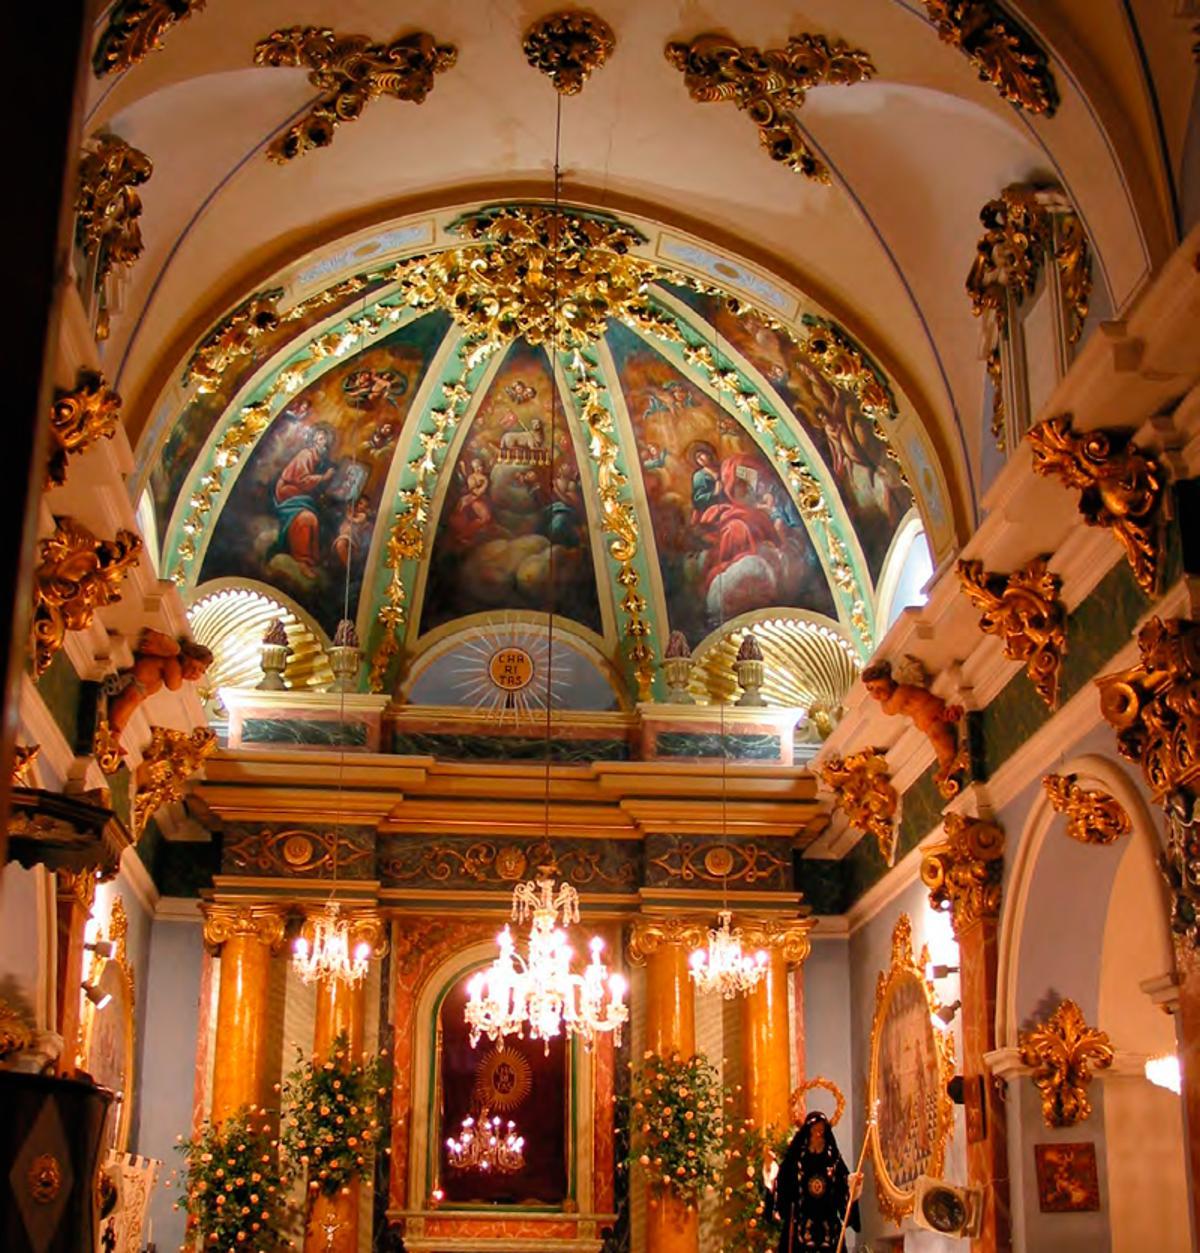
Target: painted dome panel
513 515
309 494
729 537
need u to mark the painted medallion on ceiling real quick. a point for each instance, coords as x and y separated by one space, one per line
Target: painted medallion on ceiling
730 539
303 509
513 532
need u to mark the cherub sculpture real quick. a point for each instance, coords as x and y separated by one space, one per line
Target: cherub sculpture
158 662
928 713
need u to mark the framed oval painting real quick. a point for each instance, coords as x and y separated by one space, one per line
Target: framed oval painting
911 1063
107 1052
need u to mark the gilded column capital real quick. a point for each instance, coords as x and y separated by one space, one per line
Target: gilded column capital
789 936
963 873
78 886
265 923
651 934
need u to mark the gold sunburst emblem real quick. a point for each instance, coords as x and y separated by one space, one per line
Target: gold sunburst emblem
504 1079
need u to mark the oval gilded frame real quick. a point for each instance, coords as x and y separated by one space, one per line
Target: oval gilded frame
906 1000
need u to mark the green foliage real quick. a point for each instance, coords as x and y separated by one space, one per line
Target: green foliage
747 1228
331 1124
675 1111
235 1191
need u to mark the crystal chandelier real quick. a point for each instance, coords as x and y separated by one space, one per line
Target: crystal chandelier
723 967
484 1144
540 992
330 955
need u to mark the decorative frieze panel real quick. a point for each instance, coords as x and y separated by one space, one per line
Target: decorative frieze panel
288 851
688 862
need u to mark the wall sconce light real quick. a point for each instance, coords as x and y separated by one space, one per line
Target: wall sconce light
942 972
102 948
98 997
1163 1072
947 1012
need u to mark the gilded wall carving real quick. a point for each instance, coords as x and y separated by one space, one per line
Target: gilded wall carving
862 789
964 871
1093 815
88 412
288 851
135 28
1064 1053
568 47
168 762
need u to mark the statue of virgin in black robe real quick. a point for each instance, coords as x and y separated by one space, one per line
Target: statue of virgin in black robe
812 1190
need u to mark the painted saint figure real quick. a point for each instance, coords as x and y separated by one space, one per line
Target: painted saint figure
295 499
813 1189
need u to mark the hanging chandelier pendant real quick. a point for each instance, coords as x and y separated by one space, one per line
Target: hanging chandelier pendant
485 1144
331 954
539 993
724 967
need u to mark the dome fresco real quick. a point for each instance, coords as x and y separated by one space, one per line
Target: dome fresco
754 476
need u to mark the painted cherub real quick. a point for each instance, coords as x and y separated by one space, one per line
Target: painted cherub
929 713
158 662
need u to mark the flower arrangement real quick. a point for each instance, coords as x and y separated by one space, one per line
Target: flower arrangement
747 1227
676 1119
331 1123
235 1190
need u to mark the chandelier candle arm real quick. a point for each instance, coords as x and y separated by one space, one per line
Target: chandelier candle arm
723 967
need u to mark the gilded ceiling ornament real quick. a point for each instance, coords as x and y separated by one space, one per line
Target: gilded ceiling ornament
78 418
648 935
567 47
1120 487
351 71
135 29
1064 1052
862 789
107 208
1003 52
689 861
1093 816
265 923
1023 609
24 755
78 574
770 85
963 873
168 762
1019 230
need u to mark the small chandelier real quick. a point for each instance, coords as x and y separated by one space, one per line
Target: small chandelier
484 1144
723 967
540 991
330 955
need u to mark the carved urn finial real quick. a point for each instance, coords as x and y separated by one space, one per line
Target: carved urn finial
345 657
677 666
275 650
749 668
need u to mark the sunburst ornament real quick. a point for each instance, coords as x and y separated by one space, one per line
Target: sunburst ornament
508 671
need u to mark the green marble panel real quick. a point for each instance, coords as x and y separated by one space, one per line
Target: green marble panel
744 747
451 747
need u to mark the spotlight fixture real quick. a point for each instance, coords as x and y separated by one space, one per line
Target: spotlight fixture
947 1012
102 948
942 972
98 997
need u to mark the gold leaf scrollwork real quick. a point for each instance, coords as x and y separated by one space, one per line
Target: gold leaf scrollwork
78 574
168 762
24 755
844 364
862 789
264 923
724 863
1093 816
15 1034
350 71
1120 487
107 208
1024 610
791 937
78 418
567 47
1064 1052
769 85
291 851
1000 48
482 861
106 747
963 873
648 935
135 29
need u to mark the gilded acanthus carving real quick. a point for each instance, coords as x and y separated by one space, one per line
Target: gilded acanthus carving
1093 816
350 71
78 574
24 755
233 338
1120 487
1024 610
1003 52
1019 230
941 723
107 208
1064 1052
106 747
862 789
168 762
89 412
264 923
135 28
567 47
650 934
769 85
963 873
1155 709
15 1033
846 365
790 936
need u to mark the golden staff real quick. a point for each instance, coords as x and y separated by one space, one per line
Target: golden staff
858 1171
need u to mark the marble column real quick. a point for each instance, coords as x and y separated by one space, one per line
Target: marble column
664 945
1187 1030
75 893
246 938
766 1035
